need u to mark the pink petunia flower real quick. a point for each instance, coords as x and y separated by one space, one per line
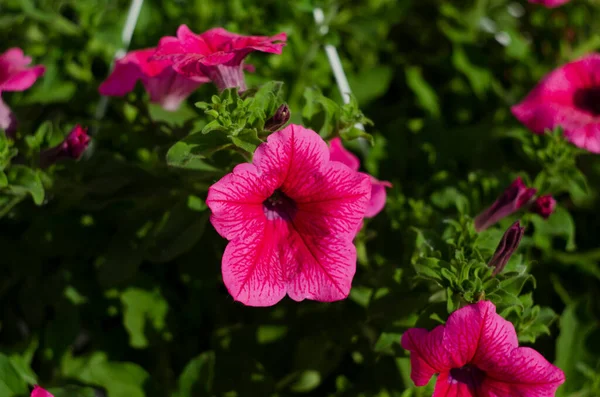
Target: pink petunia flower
476 354
72 147
15 76
511 200
544 206
215 53
378 193
549 3
39 392
163 84
568 97
290 217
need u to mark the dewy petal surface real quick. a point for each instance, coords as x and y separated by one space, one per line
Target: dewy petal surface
299 242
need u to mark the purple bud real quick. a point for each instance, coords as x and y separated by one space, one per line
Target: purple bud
508 245
544 206
511 200
281 116
72 147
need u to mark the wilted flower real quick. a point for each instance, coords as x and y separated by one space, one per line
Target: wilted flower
15 76
568 97
39 392
544 206
281 116
508 245
476 353
72 147
163 84
378 193
216 53
513 198
549 3
290 217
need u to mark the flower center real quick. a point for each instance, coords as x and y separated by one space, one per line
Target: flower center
469 375
279 206
588 100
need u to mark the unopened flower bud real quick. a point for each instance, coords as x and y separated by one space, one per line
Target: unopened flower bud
72 147
281 116
508 245
544 206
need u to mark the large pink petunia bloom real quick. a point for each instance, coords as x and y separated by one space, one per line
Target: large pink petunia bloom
476 354
568 97
510 201
15 75
290 217
39 392
216 53
163 84
549 3
378 193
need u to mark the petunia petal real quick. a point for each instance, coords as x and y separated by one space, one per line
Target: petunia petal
253 268
122 79
445 386
236 202
378 197
497 339
427 354
40 392
8 121
338 152
15 76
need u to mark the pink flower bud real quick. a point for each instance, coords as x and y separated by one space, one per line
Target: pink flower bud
72 147
508 245
544 206
281 116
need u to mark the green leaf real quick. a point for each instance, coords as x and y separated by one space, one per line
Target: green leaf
270 333
139 308
426 96
306 381
24 180
386 342
197 377
73 391
248 140
11 382
190 152
559 224
120 379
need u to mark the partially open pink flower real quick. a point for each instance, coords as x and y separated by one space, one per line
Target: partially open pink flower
290 217
378 193
568 97
544 206
513 198
476 354
72 147
39 392
163 84
15 75
215 53
549 3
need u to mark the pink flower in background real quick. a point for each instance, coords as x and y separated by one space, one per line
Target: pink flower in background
378 193
215 53
549 3
544 206
290 217
163 84
510 201
72 147
568 97
15 76
476 354
39 392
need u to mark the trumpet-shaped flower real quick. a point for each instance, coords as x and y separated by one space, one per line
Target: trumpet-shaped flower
290 217
216 53
39 392
568 97
165 86
378 193
549 3
514 197
476 354
15 75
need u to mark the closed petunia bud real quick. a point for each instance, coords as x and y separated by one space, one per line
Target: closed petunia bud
508 245
72 147
281 116
511 200
544 206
